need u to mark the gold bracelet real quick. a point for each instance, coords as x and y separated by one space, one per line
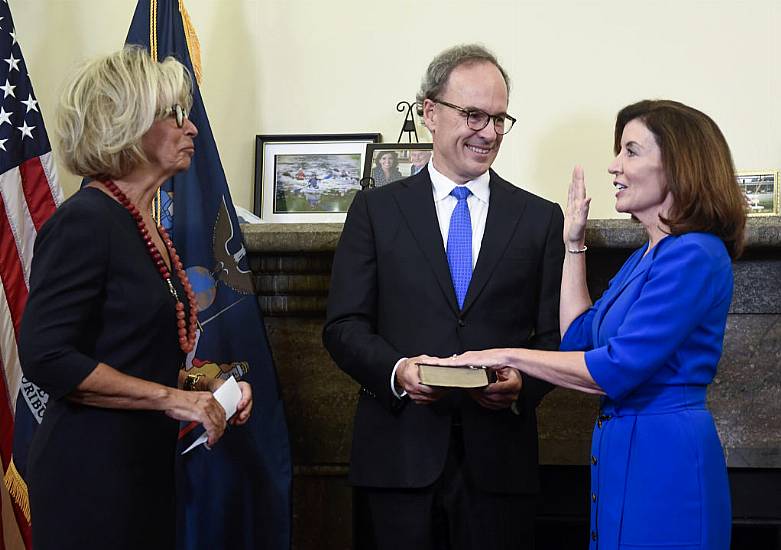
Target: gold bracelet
580 251
191 381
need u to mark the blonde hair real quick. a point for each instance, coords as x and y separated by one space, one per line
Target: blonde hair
109 103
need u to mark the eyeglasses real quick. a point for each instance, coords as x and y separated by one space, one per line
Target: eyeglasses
477 120
179 114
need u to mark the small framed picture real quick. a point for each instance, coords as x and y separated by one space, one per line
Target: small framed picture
761 191
308 177
388 162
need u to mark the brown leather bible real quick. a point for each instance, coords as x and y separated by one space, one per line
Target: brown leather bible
466 376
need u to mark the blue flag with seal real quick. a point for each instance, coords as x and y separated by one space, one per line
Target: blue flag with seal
238 495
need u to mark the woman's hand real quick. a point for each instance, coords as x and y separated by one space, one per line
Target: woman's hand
202 407
577 211
490 358
244 408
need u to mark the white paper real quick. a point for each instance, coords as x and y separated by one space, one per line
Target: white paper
228 395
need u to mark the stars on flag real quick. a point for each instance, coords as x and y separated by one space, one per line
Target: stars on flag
13 63
24 134
26 130
32 104
8 89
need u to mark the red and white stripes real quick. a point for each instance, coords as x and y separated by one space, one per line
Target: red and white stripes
29 194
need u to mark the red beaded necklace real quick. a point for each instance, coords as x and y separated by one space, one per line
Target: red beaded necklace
186 333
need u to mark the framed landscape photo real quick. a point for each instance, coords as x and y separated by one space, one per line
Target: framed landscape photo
761 191
308 177
388 162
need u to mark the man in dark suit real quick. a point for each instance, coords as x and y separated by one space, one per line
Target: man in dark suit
451 259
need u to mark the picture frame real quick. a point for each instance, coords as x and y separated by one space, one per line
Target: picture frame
405 159
303 178
761 190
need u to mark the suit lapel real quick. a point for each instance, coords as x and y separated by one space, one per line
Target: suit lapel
416 203
505 209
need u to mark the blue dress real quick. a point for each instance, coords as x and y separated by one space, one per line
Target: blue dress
652 342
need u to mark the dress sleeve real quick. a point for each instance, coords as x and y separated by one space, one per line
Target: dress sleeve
676 294
579 335
67 282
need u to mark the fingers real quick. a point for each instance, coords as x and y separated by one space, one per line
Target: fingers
578 185
244 407
501 394
408 377
576 194
213 419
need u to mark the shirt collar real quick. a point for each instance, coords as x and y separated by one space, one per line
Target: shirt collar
444 185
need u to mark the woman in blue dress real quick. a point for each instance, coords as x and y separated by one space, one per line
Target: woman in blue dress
650 345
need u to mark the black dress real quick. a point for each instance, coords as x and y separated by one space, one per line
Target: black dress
99 478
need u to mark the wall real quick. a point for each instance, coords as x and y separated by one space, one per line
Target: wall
310 66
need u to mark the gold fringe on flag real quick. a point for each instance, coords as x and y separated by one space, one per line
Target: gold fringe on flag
156 206
153 29
193 45
17 488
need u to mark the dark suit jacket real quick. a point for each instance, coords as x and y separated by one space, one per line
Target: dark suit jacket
392 297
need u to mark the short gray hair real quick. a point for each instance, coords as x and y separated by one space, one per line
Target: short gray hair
442 65
110 103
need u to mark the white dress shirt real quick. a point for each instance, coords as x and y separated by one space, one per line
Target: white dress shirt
445 203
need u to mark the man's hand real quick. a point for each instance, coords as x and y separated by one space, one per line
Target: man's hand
501 394
408 377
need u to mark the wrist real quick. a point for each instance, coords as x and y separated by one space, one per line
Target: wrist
163 398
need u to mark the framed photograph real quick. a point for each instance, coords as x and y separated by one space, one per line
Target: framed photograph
388 162
309 177
761 190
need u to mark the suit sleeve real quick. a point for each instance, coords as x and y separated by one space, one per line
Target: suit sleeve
546 333
67 281
349 333
678 292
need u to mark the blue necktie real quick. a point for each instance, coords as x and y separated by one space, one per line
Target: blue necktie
459 244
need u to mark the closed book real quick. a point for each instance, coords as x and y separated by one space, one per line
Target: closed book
453 377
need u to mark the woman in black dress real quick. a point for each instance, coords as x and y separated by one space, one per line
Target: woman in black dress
108 320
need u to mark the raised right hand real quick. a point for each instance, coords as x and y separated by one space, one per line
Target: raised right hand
577 211
199 406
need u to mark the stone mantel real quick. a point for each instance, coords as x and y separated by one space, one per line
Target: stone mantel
762 233
292 263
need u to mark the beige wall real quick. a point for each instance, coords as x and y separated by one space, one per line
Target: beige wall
318 66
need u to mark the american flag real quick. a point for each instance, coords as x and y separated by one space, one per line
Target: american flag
29 194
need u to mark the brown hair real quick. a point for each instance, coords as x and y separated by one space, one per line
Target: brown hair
698 168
